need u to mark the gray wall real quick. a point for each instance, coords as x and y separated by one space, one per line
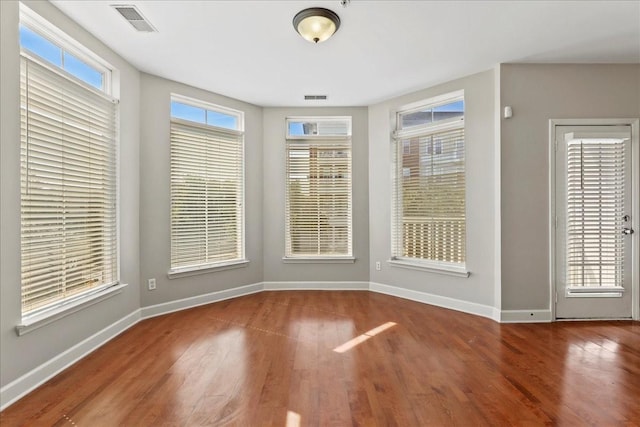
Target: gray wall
479 139
537 93
155 243
274 200
22 354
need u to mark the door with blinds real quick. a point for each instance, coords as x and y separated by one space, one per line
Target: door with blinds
593 269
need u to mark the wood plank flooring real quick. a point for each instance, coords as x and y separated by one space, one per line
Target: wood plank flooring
321 358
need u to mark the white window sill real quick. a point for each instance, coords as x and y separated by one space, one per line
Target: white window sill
176 273
431 267
319 260
33 322
586 292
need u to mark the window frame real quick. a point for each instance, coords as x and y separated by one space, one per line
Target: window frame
398 137
241 261
56 36
57 309
198 103
289 258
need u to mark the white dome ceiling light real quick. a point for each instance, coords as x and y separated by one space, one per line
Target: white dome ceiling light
316 24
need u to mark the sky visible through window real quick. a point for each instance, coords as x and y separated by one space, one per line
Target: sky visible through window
457 106
59 57
296 128
183 111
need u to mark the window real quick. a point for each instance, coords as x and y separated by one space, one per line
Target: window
207 186
429 226
56 54
318 188
69 247
595 206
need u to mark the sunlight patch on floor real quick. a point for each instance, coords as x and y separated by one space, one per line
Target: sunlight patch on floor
362 338
293 419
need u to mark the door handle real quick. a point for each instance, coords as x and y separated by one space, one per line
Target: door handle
627 231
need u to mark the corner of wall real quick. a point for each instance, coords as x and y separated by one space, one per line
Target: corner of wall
497 209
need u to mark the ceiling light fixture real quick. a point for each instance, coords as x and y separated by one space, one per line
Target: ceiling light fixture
316 24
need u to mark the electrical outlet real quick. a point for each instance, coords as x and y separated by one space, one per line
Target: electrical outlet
152 284
378 266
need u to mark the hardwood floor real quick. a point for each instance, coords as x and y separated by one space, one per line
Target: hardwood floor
307 358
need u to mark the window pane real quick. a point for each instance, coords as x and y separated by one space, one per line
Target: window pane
82 70
40 46
222 120
429 184
448 111
433 198
595 210
188 112
296 129
416 118
318 218
68 188
432 114
338 127
318 187
207 185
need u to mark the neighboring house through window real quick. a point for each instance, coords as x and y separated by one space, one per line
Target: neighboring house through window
68 179
429 218
207 186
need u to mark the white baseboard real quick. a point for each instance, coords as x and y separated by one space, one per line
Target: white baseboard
525 316
316 286
437 300
38 376
185 303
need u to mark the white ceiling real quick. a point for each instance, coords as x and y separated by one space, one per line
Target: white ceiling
249 50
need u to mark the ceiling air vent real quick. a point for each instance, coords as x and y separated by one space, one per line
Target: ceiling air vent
134 17
315 97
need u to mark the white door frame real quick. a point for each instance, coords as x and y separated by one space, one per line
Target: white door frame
635 205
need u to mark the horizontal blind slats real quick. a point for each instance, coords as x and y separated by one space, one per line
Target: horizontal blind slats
68 188
206 195
595 197
429 196
318 197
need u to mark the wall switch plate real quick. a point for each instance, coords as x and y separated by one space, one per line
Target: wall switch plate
378 266
152 284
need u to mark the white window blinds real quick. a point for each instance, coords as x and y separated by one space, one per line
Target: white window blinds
429 220
318 197
206 195
68 188
595 210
